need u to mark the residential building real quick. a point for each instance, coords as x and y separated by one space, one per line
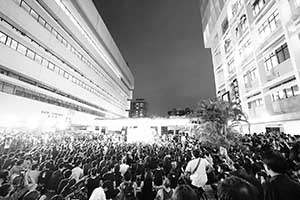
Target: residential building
139 108
254 46
59 65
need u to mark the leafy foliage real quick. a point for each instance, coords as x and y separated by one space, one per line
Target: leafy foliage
217 121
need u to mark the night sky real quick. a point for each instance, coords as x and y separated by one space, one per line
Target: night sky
162 42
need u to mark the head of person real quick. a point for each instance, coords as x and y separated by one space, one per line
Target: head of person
235 188
128 175
4 190
32 195
196 153
274 163
183 192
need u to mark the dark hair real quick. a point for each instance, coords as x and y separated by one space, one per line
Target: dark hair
183 192
33 195
196 153
67 173
235 188
275 161
4 190
128 175
57 197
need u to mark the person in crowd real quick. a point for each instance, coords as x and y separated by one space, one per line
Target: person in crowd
198 168
166 192
98 194
235 188
73 165
183 192
280 186
147 191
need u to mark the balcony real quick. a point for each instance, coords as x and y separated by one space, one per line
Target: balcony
279 70
288 105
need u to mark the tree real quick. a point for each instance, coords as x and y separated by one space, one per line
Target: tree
217 119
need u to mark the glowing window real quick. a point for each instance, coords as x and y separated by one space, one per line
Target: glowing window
14 44
21 49
3 38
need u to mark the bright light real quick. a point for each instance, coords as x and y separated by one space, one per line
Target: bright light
141 134
9 121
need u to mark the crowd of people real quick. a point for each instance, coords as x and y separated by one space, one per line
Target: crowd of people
91 167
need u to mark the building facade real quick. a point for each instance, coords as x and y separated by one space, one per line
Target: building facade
255 46
59 65
139 108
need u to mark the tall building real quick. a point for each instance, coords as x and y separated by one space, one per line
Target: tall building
254 46
59 65
139 108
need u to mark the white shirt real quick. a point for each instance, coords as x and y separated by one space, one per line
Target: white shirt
98 194
77 173
199 178
123 168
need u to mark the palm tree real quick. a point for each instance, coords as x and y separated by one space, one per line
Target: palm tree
218 118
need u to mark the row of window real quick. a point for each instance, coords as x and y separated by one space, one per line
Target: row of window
250 76
40 85
285 93
231 66
51 66
241 27
269 25
20 91
255 103
257 6
61 39
235 7
245 48
280 55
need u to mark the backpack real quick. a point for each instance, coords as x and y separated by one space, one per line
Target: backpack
128 191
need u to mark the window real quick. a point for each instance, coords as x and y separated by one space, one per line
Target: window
225 25
282 53
257 5
269 25
54 32
34 14
227 45
66 75
59 38
14 44
289 92
51 66
19 91
42 21
270 61
8 41
73 79
48 27
8 88
231 67
38 59
3 38
30 54
64 42
45 62
25 6
21 49
295 90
